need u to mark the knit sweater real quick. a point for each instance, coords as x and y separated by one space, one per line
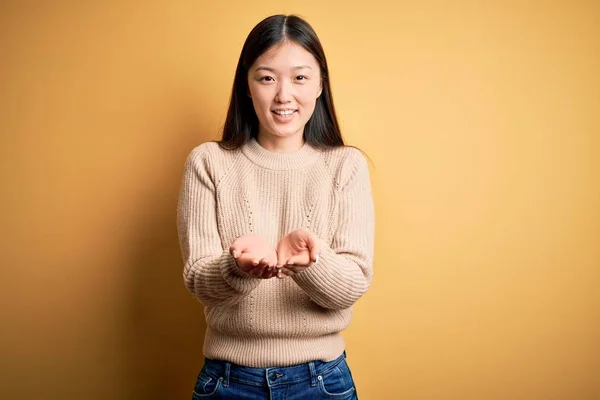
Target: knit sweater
226 194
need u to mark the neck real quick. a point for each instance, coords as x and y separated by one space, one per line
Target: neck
280 144
293 160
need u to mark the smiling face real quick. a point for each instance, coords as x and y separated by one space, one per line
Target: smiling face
284 84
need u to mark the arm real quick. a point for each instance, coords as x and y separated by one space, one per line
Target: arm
344 270
210 272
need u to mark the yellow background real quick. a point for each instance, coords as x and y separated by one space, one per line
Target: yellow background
482 119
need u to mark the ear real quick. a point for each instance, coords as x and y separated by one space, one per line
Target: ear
320 91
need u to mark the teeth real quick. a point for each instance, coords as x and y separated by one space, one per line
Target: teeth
286 112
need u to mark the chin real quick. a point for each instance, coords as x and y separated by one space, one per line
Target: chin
286 133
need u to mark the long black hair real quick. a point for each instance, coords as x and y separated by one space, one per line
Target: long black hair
322 129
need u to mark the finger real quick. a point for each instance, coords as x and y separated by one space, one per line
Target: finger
281 260
268 268
314 256
234 251
299 259
264 270
273 262
295 269
272 272
313 245
242 263
281 274
257 272
245 261
265 273
247 267
237 250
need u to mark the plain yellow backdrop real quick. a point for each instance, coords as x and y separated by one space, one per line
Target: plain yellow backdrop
482 120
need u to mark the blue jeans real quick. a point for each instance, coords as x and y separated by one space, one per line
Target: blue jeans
313 380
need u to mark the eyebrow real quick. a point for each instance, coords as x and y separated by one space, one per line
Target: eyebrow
273 70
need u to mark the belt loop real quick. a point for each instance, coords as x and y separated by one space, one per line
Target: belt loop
227 373
313 373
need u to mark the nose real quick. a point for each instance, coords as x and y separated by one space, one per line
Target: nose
284 92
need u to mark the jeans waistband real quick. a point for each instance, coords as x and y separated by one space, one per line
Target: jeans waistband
271 376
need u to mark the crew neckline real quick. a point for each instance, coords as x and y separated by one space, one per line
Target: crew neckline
262 157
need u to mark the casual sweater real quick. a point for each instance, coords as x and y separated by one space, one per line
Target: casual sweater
226 194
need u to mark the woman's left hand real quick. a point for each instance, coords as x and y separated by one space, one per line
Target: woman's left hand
295 252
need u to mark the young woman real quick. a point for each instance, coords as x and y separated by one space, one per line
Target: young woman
276 226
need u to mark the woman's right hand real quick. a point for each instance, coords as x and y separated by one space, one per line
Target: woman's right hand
255 256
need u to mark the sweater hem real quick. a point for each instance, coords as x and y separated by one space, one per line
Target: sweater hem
265 352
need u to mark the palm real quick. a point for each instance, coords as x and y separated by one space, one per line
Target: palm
296 248
255 256
253 244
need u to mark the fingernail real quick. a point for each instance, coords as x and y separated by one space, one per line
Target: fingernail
234 254
255 263
290 263
317 259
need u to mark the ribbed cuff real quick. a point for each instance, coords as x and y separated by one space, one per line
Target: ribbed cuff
236 278
335 282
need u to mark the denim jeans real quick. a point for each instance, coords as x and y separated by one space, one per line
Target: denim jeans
313 380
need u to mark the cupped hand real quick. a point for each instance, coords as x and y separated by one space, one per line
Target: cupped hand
255 256
295 252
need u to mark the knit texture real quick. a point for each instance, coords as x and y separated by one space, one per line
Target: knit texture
226 194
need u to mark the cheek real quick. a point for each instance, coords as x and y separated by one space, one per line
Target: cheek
309 96
309 101
261 100
258 103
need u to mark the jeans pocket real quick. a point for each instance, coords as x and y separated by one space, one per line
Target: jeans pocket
206 386
337 383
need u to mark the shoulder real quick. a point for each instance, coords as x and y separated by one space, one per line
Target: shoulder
209 151
345 164
211 158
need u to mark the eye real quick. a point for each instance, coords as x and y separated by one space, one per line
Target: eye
266 79
301 77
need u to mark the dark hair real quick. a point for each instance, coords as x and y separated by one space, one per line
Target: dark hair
322 129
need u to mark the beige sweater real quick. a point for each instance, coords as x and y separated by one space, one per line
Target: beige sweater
226 194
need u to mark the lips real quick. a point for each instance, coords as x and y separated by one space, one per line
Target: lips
284 116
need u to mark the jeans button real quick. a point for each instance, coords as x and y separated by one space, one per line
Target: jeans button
273 376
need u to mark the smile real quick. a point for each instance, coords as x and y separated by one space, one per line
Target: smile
284 113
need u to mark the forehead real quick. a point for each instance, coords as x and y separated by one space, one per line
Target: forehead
286 55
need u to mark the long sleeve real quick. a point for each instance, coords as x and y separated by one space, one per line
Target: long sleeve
210 272
345 268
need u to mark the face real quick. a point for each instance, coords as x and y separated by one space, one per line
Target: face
284 84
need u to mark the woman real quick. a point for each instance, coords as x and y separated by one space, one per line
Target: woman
276 226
